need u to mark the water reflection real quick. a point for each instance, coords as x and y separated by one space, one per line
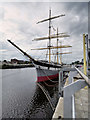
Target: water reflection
22 98
39 106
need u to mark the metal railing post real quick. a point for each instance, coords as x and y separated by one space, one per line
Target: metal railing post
70 90
86 39
84 54
83 76
68 98
60 82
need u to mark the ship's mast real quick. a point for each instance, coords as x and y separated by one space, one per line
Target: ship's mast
60 54
49 35
57 45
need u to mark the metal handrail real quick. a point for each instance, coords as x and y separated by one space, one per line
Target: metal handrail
87 80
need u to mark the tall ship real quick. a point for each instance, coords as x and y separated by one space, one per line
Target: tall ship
48 70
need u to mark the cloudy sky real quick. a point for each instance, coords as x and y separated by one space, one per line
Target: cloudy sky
18 23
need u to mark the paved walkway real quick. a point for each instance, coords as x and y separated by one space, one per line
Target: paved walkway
82 104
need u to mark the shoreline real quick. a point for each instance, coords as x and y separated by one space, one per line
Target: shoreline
13 66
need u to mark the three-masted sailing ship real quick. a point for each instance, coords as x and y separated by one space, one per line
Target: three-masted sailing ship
47 70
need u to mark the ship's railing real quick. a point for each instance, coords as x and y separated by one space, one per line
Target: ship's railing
87 80
68 91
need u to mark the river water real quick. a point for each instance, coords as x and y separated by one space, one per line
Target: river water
21 96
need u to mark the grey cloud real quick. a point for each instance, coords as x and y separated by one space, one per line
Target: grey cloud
45 0
76 7
38 11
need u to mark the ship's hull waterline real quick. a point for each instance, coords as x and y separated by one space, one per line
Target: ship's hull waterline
46 75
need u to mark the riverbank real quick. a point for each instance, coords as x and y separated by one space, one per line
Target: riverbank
14 66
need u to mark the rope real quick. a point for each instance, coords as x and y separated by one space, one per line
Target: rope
46 55
49 78
47 95
40 56
53 27
50 85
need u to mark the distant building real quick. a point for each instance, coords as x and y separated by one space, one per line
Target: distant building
5 61
15 61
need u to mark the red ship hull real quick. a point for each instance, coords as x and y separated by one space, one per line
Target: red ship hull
46 75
